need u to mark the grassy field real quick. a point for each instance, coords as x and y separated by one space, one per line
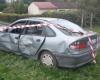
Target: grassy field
97 29
13 67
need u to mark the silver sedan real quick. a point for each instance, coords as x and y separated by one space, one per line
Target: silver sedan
57 43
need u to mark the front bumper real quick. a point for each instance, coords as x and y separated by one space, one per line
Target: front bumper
73 61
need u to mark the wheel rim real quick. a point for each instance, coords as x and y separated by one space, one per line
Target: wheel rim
47 59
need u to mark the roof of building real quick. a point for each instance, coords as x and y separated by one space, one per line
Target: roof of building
45 5
66 5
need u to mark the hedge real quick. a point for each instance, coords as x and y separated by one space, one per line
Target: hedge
2 6
12 17
74 17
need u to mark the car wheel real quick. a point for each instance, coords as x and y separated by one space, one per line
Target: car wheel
48 59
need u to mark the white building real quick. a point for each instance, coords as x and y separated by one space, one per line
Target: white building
10 1
37 8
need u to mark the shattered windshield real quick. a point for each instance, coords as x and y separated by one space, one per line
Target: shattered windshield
68 31
65 24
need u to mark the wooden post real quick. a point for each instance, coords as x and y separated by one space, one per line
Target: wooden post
91 20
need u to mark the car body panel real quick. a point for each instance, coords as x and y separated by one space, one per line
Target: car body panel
29 44
58 45
8 41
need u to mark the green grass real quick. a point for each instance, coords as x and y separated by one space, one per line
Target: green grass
97 29
14 67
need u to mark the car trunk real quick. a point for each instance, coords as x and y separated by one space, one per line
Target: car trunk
82 45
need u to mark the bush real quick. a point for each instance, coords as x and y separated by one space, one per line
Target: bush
2 6
74 17
9 9
16 7
19 7
69 16
12 17
97 18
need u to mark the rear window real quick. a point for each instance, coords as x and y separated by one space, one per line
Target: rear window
67 24
67 31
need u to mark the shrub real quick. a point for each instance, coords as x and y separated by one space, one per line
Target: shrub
2 6
74 17
97 18
16 7
19 7
12 17
69 16
9 9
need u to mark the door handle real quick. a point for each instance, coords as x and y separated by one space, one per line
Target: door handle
38 40
16 37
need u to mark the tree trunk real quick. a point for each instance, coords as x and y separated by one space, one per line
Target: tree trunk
91 21
82 19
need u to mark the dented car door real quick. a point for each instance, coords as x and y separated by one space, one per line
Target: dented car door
31 41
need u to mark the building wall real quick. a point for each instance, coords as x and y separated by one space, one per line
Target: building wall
40 0
67 10
42 11
33 10
9 1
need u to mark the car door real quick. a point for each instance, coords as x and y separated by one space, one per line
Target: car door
9 37
5 41
14 35
32 39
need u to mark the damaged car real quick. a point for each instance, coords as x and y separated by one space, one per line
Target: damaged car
57 43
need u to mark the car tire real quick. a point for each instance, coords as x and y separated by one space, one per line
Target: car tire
48 59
